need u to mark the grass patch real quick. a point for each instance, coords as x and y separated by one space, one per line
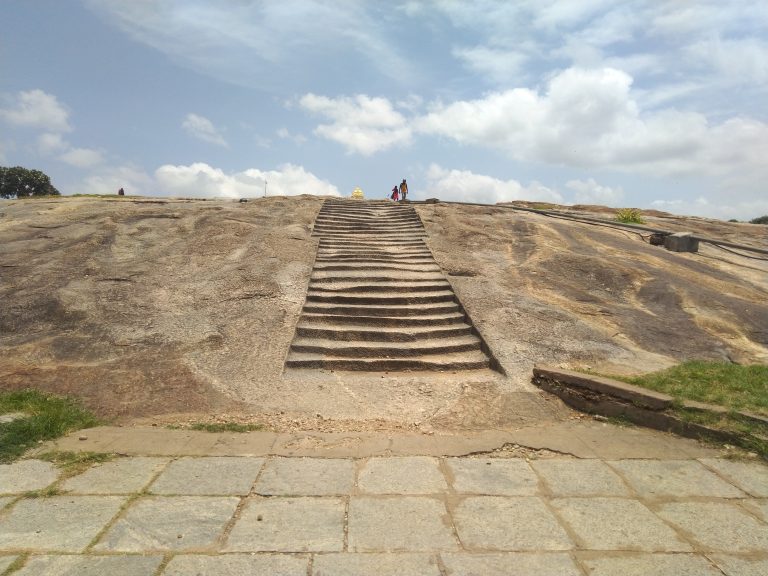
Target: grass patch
630 216
48 417
73 463
732 386
225 427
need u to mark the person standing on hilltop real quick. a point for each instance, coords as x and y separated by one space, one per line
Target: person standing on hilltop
403 189
394 193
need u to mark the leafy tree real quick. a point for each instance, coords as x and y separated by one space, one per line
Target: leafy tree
18 182
760 220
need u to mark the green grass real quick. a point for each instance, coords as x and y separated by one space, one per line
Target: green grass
219 427
629 216
732 386
48 417
72 463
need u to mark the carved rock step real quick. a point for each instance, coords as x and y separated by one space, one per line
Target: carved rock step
381 310
434 362
365 349
355 332
439 319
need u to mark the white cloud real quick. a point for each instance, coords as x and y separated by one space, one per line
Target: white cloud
109 179
50 143
82 157
465 186
286 134
203 129
202 180
361 124
587 118
722 208
36 109
590 192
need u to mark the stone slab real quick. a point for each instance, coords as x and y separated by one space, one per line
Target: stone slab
674 478
646 564
514 524
739 566
492 476
752 477
242 444
510 564
121 476
90 566
306 477
209 476
237 565
6 561
758 507
402 475
5 500
375 565
26 475
717 526
169 523
570 477
289 525
617 524
57 523
331 444
405 523
610 442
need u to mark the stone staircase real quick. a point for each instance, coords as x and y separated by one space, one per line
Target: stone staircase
377 300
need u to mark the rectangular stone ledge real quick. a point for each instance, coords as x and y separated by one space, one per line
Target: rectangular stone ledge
607 386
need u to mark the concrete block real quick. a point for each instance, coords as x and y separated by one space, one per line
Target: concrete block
90 566
375 565
493 476
408 523
681 242
717 526
579 478
752 477
237 565
306 477
289 525
402 475
645 564
122 476
498 523
169 523
209 476
617 524
25 475
674 478
510 563
57 523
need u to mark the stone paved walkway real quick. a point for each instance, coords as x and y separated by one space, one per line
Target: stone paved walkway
312 504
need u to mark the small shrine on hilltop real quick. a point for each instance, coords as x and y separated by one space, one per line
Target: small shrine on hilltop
357 193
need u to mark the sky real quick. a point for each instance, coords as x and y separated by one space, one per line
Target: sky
649 104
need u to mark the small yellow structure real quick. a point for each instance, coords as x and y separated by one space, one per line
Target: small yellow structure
357 193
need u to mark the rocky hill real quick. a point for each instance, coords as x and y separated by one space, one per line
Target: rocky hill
177 310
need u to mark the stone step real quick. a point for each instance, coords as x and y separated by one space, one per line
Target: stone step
365 349
426 309
444 319
440 362
382 277
380 333
390 287
381 298
378 266
377 260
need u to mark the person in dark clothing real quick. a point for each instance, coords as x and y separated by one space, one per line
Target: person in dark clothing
403 189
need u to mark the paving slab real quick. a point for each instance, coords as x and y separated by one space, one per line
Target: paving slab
510 564
6 561
90 566
758 507
616 442
752 477
243 444
492 476
208 476
237 565
331 444
402 475
674 478
57 523
514 524
5 500
717 526
169 523
399 523
289 525
403 564
26 475
571 477
121 476
617 524
650 564
740 566
306 477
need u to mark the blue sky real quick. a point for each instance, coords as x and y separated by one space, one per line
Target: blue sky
647 103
